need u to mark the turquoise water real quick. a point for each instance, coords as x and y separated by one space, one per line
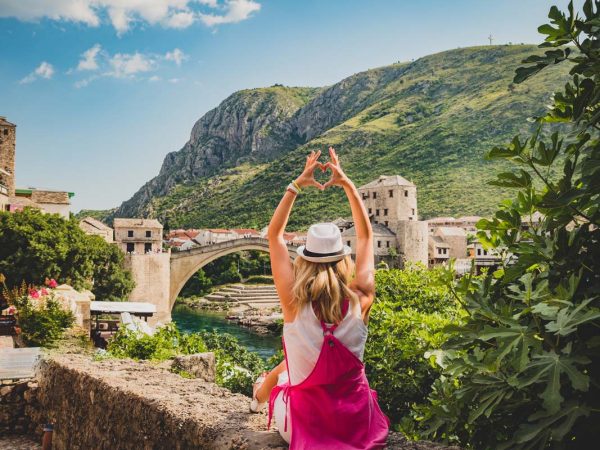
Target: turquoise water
190 320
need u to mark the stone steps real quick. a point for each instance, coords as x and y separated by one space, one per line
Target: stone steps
245 294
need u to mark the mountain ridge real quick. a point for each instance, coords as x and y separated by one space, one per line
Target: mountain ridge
419 119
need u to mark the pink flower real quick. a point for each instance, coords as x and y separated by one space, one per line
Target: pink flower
52 283
33 293
44 291
12 310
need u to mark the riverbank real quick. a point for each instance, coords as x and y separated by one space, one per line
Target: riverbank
252 306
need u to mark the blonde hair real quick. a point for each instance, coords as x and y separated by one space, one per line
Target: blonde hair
327 284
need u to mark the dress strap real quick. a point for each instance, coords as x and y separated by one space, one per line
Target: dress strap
329 329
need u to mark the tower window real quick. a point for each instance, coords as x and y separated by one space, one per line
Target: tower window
406 193
374 194
129 233
379 244
348 243
148 233
386 223
6 132
365 195
413 211
387 244
376 212
130 247
147 247
370 211
385 212
391 191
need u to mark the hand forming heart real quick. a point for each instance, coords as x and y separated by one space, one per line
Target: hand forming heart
307 177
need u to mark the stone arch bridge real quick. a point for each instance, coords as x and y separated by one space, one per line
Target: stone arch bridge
160 277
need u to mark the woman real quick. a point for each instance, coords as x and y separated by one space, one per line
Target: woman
320 396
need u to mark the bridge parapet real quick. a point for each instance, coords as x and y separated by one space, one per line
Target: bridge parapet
185 263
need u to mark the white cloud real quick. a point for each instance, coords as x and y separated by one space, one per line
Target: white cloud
154 78
122 14
88 59
174 80
236 11
44 70
177 56
125 65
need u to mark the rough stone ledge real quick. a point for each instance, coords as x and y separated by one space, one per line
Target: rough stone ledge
125 404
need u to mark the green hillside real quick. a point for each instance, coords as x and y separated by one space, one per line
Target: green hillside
431 121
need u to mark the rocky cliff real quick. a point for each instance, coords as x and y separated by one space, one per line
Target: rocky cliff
431 120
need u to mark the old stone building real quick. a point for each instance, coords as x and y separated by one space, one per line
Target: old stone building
445 243
96 228
7 162
13 199
391 202
49 201
138 236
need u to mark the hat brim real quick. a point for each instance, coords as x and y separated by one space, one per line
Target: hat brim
323 259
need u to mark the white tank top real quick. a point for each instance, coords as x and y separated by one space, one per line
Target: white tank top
304 337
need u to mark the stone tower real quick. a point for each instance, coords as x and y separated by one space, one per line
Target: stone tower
7 156
390 200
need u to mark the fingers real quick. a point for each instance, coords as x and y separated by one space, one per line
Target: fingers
316 184
328 184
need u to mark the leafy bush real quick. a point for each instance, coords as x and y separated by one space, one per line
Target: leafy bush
259 279
236 366
523 371
40 316
412 307
35 246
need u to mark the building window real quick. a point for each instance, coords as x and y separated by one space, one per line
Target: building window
370 211
130 247
6 132
410 218
391 191
413 211
147 247
148 233
439 251
386 223
485 252
348 243
129 233
365 195
376 212
379 244
478 252
406 193
387 244
374 194
385 211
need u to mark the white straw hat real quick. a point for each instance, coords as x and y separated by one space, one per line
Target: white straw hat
323 244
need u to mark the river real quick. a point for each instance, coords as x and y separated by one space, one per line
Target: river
190 320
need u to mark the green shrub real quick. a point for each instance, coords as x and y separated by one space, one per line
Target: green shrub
35 246
412 307
523 370
42 320
259 279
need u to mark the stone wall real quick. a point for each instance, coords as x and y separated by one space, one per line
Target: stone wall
152 277
52 197
8 134
19 408
124 404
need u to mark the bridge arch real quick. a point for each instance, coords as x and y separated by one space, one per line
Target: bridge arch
184 264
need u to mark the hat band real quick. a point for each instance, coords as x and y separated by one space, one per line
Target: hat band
307 252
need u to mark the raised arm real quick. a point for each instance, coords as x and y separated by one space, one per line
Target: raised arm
281 266
364 281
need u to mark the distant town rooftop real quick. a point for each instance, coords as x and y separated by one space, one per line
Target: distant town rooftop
6 123
30 190
96 223
132 223
387 180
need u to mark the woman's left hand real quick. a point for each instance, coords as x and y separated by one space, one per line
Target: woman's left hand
307 177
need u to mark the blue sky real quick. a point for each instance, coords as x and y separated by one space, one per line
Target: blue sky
102 93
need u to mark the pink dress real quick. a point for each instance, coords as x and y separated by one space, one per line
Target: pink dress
333 406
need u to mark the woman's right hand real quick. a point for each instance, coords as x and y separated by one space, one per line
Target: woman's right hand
338 177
